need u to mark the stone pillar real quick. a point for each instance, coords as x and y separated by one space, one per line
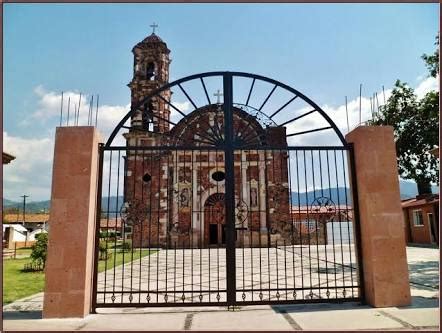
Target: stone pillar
69 265
383 244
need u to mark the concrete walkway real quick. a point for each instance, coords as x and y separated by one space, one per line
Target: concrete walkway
423 314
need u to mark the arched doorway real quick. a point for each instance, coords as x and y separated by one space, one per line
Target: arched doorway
215 220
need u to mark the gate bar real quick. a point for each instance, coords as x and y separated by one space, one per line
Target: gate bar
97 227
230 189
356 222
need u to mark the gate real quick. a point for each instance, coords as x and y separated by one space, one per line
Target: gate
226 202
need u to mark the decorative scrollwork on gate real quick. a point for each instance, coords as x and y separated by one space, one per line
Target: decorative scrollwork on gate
323 206
241 213
133 212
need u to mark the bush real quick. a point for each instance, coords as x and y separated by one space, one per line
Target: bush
126 246
103 251
40 250
108 234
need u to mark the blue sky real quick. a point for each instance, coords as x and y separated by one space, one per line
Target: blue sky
325 51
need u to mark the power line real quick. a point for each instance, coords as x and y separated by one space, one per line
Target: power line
24 196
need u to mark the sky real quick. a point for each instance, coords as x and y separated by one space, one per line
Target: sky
323 50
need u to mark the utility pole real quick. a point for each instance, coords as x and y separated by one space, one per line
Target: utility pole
24 206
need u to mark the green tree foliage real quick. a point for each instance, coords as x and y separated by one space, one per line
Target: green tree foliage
40 249
416 130
432 61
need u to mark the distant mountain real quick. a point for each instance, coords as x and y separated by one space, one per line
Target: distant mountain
114 203
31 207
9 203
408 189
339 196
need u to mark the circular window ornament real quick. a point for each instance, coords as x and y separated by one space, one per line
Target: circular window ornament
147 178
218 176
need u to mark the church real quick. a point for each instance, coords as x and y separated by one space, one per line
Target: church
174 183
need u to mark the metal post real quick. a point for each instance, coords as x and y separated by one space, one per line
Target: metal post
24 207
97 227
356 220
230 189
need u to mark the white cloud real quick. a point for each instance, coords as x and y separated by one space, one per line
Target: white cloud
49 103
184 107
30 172
427 85
108 115
338 115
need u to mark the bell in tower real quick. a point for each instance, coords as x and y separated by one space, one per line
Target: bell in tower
151 71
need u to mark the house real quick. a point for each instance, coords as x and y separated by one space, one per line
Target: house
32 222
114 224
421 218
326 224
17 236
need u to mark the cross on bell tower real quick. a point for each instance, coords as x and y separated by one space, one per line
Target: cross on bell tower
153 26
218 94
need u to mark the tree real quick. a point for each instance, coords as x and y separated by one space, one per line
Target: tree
416 129
40 249
432 61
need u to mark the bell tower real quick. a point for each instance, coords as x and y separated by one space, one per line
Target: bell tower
150 72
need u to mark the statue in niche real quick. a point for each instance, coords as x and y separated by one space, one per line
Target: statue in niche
185 198
254 197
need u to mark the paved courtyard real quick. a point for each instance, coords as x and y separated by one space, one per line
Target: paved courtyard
422 314
199 275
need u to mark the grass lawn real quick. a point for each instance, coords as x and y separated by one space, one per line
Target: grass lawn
24 252
118 258
18 284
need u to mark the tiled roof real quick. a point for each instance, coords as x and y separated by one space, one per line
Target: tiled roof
419 202
111 223
29 218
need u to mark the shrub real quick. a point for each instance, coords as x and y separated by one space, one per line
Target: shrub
103 251
126 246
40 250
107 234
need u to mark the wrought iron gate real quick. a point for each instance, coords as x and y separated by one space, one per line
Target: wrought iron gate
226 203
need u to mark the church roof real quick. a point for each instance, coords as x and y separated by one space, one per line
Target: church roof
152 41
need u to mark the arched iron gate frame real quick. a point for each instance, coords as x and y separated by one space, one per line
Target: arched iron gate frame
228 147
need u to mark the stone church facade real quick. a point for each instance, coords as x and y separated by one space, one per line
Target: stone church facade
176 196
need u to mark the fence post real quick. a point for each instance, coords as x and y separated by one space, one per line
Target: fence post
69 265
384 257
15 250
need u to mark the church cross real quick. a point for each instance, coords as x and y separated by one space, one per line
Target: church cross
218 94
153 26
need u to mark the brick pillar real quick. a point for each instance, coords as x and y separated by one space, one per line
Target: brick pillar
383 245
69 266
